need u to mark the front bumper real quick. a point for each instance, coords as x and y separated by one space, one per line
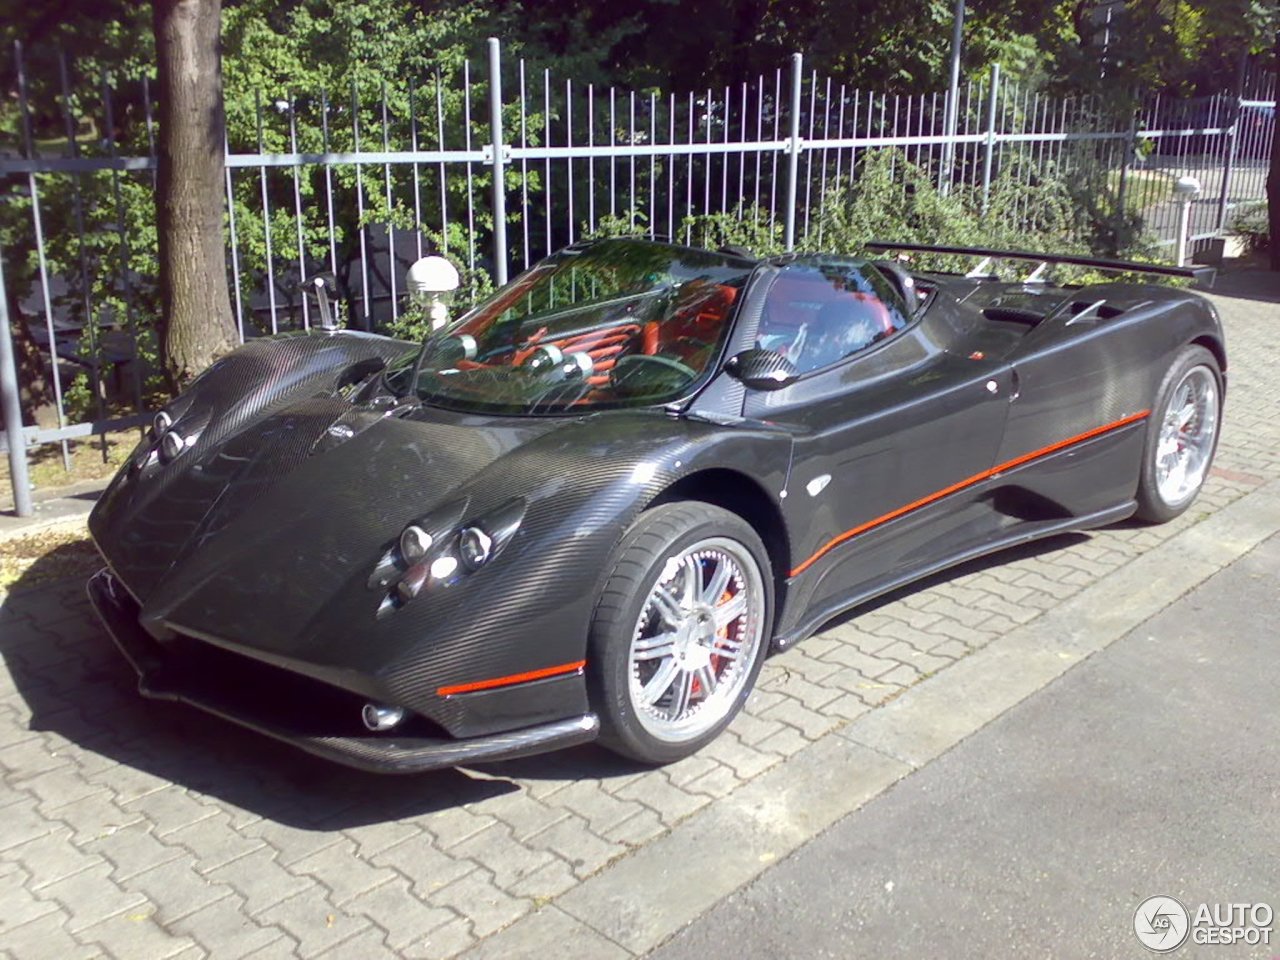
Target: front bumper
299 711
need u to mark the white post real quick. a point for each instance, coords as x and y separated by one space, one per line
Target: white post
989 157
1187 189
951 116
499 167
1184 231
793 150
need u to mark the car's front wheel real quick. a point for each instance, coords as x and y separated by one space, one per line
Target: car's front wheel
1182 435
680 630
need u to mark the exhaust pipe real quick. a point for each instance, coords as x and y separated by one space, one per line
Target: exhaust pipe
378 716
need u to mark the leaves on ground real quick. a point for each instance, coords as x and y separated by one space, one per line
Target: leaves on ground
47 555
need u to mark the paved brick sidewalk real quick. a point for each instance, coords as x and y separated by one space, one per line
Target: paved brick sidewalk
133 829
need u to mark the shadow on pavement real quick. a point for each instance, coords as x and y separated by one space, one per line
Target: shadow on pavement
998 559
78 687
589 762
1254 283
594 761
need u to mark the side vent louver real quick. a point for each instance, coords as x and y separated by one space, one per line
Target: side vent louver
1082 310
1012 314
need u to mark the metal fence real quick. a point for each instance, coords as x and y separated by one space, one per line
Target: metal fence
497 167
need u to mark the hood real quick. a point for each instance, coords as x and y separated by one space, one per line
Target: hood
254 533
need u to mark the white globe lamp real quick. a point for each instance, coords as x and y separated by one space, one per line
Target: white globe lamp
431 282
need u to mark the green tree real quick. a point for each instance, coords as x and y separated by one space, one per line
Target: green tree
687 44
292 66
1175 46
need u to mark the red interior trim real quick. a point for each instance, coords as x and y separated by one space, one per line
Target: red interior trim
575 667
976 478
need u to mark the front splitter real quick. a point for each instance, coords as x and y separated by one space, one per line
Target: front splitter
162 676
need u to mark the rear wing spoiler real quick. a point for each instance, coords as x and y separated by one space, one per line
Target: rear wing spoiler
1204 275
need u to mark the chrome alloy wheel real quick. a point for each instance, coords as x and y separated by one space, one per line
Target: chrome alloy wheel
1187 434
696 639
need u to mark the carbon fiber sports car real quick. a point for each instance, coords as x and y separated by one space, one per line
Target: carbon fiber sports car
593 504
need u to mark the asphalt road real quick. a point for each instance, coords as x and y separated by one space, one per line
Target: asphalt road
1150 769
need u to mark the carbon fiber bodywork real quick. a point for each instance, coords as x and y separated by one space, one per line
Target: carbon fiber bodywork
266 547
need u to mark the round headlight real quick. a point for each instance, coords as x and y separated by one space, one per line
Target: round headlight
171 445
414 544
474 546
161 423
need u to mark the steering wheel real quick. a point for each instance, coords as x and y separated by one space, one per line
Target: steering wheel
560 395
628 365
641 374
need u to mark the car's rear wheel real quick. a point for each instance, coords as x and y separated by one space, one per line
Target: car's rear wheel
1182 435
679 634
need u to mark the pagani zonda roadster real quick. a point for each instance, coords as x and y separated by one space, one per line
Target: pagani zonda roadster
592 505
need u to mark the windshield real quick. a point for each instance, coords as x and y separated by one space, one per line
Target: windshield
617 323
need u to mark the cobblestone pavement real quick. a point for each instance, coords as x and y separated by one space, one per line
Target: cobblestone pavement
135 829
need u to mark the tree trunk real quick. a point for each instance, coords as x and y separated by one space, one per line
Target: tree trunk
1273 176
196 323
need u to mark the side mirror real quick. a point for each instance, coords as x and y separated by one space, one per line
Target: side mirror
762 369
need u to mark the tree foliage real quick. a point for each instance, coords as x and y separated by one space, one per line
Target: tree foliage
1174 46
300 65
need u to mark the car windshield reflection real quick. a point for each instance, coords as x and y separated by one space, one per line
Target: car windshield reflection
616 323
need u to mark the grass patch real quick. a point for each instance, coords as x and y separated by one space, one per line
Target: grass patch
44 463
46 556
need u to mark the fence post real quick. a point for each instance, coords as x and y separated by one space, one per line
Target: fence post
989 159
793 148
499 169
13 410
1129 151
951 115
1229 162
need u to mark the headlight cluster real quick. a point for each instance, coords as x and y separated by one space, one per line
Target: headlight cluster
440 549
474 547
414 543
166 440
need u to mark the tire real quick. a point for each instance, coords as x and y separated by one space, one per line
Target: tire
1182 435
668 670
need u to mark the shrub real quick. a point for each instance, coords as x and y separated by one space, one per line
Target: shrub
1251 223
892 199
